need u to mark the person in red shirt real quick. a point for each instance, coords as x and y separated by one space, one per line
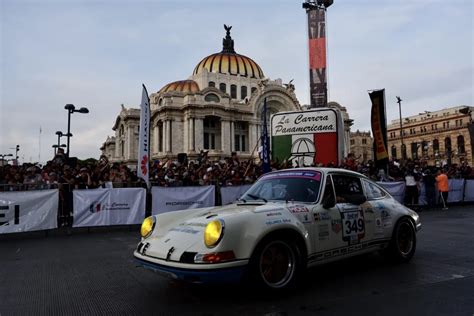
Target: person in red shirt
443 187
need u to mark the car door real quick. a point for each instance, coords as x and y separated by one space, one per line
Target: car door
375 210
354 218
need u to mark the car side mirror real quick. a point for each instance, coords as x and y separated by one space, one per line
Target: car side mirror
356 199
329 202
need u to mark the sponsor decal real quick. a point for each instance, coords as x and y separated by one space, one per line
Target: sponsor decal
273 214
323 231
336 226
298 209
294 174
278 221
184 230
144 164
378 222
323 216
193 224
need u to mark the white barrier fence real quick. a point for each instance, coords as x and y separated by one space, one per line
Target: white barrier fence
166 199
38 210
27 211
104 207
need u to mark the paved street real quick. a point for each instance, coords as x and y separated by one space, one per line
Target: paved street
94 273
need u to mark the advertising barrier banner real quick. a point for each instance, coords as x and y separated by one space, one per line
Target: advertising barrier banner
396 189
469 191
456 190
104 207
28 211
230 194
167 199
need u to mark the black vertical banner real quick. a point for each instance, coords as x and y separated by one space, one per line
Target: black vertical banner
317 57
379 128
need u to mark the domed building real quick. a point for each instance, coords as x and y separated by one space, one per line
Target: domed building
218 109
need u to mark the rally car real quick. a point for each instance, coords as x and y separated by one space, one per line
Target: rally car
287 221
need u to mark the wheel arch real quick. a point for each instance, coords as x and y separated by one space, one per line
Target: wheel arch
286 233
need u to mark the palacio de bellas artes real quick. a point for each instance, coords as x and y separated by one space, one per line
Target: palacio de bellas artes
217 109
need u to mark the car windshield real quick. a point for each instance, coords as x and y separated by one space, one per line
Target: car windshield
300 186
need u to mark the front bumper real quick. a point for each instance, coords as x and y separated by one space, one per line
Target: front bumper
231 274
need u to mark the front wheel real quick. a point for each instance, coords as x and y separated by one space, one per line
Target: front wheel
276 264
403 244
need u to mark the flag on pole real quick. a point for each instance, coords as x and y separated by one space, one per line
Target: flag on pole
265 141
379 128
143 167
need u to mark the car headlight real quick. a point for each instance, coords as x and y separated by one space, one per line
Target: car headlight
213 233
147 226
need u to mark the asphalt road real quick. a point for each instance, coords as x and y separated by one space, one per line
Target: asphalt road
94 274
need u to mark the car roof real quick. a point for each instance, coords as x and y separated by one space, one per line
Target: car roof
324 170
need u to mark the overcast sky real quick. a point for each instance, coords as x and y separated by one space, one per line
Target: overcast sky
98 53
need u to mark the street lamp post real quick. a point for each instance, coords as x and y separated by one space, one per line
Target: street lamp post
403 152
71 109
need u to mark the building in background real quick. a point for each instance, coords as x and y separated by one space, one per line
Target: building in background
438 138
217 109
362 146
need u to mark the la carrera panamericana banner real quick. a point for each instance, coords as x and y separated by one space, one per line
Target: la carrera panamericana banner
105 207
28 211
305 138
167 199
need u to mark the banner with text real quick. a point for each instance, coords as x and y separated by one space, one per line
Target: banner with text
379 128
230 194
28 211
104 207
167 199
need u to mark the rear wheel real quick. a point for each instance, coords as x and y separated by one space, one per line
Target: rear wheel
276 264
403 244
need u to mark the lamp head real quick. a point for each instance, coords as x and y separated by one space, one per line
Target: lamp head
70 107
83 110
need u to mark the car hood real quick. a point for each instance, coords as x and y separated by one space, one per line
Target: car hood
184 233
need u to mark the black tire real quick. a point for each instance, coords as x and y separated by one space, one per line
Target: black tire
276 264
403 244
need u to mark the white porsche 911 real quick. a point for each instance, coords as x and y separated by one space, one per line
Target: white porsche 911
287 221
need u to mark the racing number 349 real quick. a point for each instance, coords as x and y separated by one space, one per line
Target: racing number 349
354 225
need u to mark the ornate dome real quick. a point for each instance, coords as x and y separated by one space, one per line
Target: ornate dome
185 86
229 62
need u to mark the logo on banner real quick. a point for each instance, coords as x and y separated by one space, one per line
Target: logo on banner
144 165
96 207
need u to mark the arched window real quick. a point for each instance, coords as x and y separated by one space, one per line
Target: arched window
160 102
424 148
223 87
212 132
461 149
447 145
414 150
212 84
233 91
253 90
404 151
243 92
436 147
394 152
211 97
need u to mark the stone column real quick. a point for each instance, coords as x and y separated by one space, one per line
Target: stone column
232 136
199 133
154 148
170 136
186 138
225 137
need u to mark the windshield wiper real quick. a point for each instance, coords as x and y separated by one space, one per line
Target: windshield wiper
256 197
243 200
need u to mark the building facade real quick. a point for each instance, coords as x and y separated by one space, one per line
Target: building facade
217 109
361 146
437 138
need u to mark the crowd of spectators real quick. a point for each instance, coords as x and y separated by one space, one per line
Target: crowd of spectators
93 173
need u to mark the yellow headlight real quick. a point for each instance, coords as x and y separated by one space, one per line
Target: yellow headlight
147 226
213 233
